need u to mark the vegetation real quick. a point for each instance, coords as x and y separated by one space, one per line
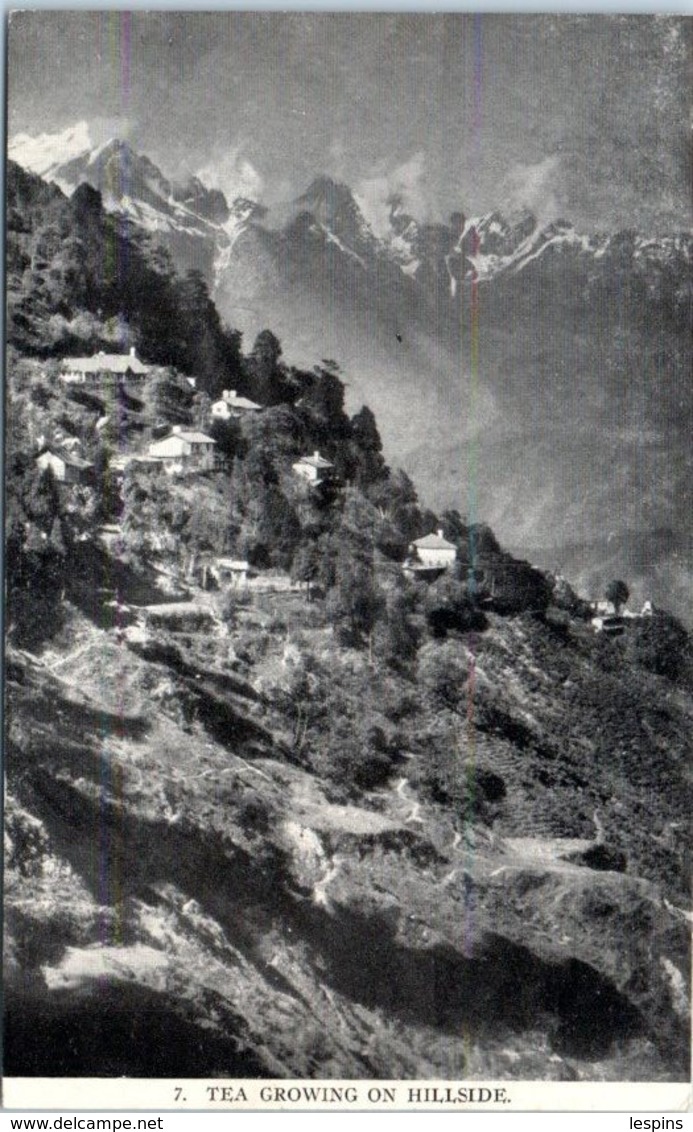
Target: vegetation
384 664
617 593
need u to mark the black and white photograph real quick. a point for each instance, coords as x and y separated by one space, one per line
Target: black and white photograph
348 556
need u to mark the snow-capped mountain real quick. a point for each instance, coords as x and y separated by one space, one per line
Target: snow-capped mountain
186 217
46 153
201 228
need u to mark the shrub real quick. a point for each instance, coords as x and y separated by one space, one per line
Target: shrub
40 395
361 757
254 814
661 645
449 608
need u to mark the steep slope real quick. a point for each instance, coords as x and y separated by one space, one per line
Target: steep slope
340 823
256 913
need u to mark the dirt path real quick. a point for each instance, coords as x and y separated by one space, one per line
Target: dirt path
414 816
66 660
320 896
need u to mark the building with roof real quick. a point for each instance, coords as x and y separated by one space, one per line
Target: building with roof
103 367
315 469
185 450
231 405
432 552
65 466
232 572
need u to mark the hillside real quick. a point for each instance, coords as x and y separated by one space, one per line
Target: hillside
517 342
507 903
338 821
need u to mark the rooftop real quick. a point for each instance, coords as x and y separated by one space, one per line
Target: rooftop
68 457
193 436
315 461
105 363
434 541
233 564
231 398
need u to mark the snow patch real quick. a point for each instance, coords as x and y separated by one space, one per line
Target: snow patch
47 151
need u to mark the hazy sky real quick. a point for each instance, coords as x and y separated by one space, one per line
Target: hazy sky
583 116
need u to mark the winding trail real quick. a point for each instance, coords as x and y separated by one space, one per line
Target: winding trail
320 896
415 804
70 656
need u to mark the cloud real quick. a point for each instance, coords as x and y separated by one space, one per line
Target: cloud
407 181
535 187
234 174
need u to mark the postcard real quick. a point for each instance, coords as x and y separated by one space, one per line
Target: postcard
349 679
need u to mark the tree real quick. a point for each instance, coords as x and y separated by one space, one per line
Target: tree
661 644
617 593
455 527
355 602
229 438
35 548
279 529
266 369
444 672
171 398
201 409
42 501
396 498
449 606
325 402
564 597
398 637
370 466
305 567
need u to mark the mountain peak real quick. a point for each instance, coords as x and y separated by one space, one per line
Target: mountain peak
43 154
328 195
334 206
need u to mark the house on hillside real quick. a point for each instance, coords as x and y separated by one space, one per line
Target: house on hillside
66 466
432 552
231 405
184 450
232 572
314 469
103 367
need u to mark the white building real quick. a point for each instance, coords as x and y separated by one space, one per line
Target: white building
232 572
315 469
76 371
433 551
231 405
184 450
65 466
